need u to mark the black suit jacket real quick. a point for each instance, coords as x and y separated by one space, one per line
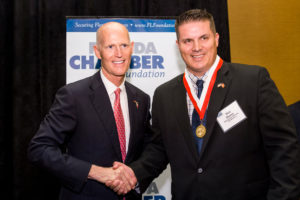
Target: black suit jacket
82 119
256 159
295 112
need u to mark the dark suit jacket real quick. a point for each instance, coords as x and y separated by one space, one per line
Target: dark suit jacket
256 159
295 112
81 118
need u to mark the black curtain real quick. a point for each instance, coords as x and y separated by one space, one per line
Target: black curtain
33 62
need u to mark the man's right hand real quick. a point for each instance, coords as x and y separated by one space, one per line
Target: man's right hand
127 173
120 178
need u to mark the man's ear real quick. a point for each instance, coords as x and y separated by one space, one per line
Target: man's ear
132 45
97 52
217 36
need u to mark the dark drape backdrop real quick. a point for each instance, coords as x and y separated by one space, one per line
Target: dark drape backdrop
32 57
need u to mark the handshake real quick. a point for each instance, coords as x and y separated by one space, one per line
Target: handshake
119 177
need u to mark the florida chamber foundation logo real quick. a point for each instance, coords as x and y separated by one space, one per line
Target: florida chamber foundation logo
145 61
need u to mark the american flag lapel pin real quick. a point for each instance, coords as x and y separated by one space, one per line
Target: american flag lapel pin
136 104
222 85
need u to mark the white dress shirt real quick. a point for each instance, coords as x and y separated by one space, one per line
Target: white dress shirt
192 79
110 88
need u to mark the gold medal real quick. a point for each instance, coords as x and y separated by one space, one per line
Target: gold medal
200 131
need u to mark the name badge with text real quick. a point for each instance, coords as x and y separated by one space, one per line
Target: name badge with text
230 116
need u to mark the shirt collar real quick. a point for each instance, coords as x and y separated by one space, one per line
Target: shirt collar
110 87
207 74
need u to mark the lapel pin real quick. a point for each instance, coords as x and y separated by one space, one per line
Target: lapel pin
222 85
136 104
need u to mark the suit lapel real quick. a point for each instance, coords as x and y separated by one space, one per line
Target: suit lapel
132 107
216 101
102 105
181 113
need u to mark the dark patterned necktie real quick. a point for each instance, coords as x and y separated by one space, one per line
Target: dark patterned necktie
195 118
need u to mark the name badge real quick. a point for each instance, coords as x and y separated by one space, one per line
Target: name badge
230 116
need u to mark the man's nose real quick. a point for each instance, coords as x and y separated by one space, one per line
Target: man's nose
118 52
196 46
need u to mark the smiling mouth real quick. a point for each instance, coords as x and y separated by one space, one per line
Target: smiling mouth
119 62
197 56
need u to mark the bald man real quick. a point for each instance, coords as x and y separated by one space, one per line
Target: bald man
100 119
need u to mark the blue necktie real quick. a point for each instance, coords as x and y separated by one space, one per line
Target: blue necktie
196 119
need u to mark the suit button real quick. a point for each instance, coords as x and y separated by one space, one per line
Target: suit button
200 170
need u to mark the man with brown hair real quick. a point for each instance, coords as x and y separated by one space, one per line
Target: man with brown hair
223 127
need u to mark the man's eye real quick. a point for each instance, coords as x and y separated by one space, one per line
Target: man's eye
110 46
124 45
